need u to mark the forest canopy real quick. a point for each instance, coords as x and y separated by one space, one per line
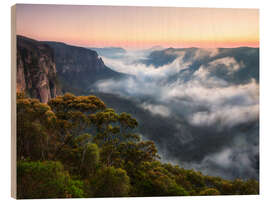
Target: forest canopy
74 146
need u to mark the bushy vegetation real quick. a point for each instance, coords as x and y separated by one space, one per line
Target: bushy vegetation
74 146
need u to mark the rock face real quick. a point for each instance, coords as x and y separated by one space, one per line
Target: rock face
79 68
36 71
47 69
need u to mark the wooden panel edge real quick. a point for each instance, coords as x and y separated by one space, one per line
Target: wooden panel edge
13 105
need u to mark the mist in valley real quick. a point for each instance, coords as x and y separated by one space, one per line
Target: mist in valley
200 106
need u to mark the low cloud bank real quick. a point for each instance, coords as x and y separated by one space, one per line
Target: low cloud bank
215 119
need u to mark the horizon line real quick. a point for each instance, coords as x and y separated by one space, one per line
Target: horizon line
133 48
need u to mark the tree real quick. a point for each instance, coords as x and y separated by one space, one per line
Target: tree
251 187
36 127
80 156
248 187
152 179
138 152
210 191
117 140
45 180
89 160
73 115
111 182
196 180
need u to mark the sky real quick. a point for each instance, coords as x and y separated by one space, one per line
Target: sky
139 27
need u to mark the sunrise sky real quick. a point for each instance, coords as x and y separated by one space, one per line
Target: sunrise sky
139 27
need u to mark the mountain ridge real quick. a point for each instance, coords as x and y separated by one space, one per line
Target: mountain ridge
63 68
78 67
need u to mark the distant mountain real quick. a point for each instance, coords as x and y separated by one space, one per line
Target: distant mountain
110 52
36 70
196 57
78 68
159 57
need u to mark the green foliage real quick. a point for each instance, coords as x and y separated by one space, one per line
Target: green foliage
89 160
241 187
210 191
152 179
76 147
196 180
46 180
35 124
138 152
72 115
118 143
111 182
69 102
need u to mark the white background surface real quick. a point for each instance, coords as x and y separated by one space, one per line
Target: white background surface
5 107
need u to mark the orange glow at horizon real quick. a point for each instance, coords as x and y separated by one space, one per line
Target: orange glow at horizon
139 27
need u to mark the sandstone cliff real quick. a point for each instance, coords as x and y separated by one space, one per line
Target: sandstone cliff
36 71
79 68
